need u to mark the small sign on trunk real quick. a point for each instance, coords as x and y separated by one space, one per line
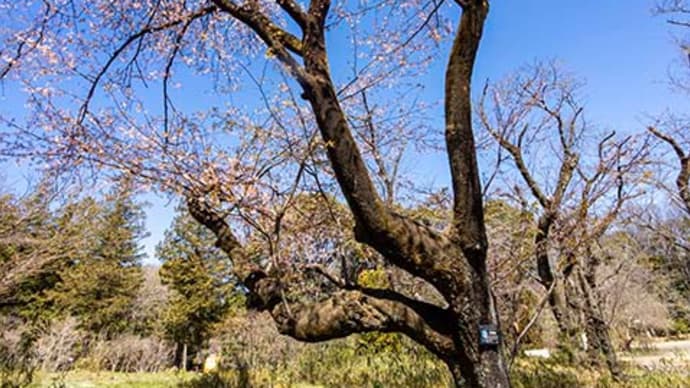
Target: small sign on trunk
488 336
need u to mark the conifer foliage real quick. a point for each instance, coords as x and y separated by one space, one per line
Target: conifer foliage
203 290
100 287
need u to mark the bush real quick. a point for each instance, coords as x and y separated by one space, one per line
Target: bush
17 365
543 374
226 379
60 345
64 346
128 353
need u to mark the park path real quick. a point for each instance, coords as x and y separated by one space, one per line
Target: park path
662 353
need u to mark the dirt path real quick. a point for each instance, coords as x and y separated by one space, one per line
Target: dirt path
662 354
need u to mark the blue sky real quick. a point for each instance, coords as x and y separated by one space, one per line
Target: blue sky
618 47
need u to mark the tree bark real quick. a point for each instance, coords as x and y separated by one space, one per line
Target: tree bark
557 298
597 330
479 366
475 365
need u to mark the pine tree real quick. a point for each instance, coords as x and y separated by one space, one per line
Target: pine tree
100 287
203 290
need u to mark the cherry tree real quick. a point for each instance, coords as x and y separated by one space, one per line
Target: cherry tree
102 80
579 183
671 138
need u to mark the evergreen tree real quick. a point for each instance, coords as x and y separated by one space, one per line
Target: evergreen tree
40 238
100 288
202 289
73 228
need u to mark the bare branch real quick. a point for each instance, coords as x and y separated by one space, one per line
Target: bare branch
670 140
133 38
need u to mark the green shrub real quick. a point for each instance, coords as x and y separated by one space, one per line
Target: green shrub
543 374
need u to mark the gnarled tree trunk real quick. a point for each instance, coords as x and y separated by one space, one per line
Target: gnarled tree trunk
454 262
597 329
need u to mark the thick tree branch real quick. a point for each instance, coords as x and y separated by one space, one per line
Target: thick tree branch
541 242
408 245
344 313
343 153
268 31
669 140
265 290
438 318
683 178
468 217
294 10
318 11
350 312
683 182
411 246
278 41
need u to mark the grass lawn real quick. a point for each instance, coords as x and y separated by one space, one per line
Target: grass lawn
85 379
527 374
